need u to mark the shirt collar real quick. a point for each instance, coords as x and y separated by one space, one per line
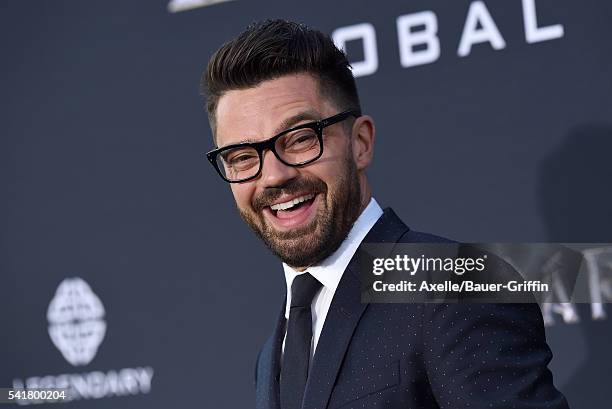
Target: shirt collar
329 271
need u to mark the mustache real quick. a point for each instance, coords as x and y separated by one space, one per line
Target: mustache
291 187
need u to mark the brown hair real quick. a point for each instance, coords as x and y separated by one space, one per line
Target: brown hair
272 48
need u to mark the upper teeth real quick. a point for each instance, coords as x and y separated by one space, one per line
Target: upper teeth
291 203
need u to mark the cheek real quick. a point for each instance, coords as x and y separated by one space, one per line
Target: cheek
338 149
329 172
243 193
332 166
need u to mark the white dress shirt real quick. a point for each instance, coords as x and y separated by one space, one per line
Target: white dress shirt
329 271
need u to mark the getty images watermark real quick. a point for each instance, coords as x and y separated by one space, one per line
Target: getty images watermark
456 265
501 273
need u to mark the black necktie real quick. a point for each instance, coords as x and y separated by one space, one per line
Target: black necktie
294 370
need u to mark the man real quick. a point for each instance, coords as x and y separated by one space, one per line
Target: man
294 145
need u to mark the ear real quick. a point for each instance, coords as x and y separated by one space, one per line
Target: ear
363 141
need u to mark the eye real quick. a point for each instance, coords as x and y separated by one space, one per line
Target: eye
300 140
240 159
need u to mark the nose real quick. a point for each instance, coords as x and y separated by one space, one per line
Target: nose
274 172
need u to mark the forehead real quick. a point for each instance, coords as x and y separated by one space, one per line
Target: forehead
256 113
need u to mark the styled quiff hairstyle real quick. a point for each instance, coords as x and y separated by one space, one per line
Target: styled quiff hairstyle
269 49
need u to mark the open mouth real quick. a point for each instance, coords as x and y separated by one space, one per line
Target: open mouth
292 213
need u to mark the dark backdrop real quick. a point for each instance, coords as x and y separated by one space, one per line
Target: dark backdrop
104 182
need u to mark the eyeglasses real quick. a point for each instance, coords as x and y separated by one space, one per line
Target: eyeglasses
297 146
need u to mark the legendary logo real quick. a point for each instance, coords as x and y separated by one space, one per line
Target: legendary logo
77 328
76 321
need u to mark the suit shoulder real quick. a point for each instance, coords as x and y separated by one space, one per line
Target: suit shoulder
390 224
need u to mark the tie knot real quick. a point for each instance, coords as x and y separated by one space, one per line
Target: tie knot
303 290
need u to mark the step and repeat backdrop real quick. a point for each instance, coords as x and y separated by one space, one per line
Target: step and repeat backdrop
126 273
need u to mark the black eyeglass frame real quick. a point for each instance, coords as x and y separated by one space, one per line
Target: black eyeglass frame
270 144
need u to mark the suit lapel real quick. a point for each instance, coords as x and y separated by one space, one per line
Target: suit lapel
268 367
343 316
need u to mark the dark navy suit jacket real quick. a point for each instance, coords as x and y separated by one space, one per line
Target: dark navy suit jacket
421 356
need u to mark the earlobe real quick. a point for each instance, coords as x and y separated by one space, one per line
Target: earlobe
364 134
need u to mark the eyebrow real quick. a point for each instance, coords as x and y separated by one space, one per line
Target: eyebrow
286 124
310 114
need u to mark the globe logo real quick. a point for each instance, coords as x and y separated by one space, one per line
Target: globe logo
76 321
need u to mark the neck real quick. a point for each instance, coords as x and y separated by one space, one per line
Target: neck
366 194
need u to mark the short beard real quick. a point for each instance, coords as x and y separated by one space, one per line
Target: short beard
311 244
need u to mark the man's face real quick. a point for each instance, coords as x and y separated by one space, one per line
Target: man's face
328 190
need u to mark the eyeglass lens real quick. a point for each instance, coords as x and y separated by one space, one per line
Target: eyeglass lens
293 148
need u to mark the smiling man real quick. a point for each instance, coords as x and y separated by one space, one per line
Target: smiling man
294 146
